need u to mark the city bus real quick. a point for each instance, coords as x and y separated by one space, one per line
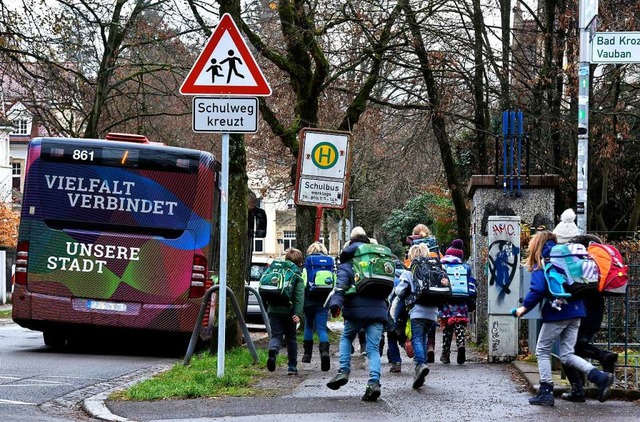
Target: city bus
115 233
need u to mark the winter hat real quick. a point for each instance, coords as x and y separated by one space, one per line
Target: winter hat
456 249
566 228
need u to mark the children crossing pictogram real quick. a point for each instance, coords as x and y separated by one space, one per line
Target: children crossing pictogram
225 66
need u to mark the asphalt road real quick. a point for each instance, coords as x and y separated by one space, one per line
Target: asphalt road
39 383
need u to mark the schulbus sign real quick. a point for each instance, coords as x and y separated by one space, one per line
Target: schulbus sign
323 168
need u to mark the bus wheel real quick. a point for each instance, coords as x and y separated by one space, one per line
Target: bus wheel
54 338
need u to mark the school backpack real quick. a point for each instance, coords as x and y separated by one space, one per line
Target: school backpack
458 276
320 275
571 272
277 281
573 260
614 273
428 276
373 271
430 241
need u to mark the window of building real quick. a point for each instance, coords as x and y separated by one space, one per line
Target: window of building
21 127
16 171
258 245
289 239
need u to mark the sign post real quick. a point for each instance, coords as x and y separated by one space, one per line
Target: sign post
225 67
588 12
323 171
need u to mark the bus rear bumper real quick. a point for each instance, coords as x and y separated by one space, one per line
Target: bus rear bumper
40 312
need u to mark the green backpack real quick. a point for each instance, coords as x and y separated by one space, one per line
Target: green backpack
277 281
373 271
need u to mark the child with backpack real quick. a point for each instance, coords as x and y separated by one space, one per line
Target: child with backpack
454 315
422 234
589 326
557 324
320 279
285 309
422 317
360 310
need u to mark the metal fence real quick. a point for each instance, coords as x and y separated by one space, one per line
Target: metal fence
621 328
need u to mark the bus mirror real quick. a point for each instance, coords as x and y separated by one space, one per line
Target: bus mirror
257 222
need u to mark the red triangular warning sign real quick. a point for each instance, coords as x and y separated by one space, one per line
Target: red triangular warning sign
225 66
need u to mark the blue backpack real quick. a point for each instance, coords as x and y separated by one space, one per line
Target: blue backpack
320 275
459 279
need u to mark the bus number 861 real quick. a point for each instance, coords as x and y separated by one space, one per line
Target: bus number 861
82 155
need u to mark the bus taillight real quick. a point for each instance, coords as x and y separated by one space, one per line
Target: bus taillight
198 277
22 256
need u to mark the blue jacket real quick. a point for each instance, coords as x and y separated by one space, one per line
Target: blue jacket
355 307
539 291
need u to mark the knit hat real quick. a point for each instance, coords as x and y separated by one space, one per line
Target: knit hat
456 249
566 228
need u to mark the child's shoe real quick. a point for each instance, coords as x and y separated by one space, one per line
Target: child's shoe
604 381
445 357
421 373
544 397
338 381
372 392
292 370
396 367
576 394
462 355
271 360
431 357
325 357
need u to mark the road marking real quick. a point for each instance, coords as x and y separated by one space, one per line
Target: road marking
2 401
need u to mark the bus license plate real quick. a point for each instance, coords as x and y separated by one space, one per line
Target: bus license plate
106 306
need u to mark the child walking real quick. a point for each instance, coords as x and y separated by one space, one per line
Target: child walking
283 318
422 318
315 314
454 316
562 324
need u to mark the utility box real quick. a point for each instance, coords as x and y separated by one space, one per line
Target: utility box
503 290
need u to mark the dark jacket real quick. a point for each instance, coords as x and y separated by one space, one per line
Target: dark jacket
539 291
355 307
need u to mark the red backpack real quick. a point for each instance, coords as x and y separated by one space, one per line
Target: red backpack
613 271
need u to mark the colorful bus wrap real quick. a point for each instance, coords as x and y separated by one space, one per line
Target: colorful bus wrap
114 234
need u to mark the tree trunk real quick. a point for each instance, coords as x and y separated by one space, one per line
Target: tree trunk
438 125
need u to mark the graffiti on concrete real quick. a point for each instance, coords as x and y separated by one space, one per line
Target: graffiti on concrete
495 336
504 258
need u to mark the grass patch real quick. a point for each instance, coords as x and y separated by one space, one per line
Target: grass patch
5 313
200 378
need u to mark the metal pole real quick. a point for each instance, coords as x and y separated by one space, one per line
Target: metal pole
3 275
316 236
583 113
224 207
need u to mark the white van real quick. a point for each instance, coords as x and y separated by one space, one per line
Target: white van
258 265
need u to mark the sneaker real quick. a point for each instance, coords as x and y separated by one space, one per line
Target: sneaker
421 373
338 381
396 367
462 355
292 371
372 392
271 360
409 348
431 357
445 357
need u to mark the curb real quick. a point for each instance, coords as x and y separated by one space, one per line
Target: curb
529 371
95 407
